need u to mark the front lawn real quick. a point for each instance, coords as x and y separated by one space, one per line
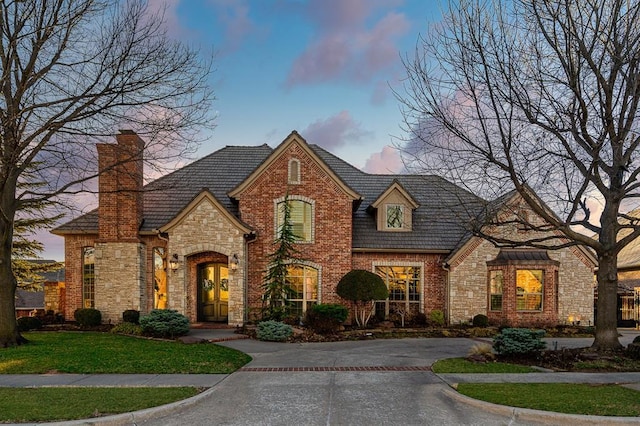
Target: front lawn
54 404
596 400
104 353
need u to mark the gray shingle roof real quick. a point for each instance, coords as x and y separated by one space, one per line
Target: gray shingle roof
438 223
29 299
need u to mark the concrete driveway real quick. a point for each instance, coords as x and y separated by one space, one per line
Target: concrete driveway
281 387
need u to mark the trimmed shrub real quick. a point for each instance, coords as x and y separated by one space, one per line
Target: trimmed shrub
273 331
436 317
88 317
132 316
362 288
515 342
166 323
29 323
480 320
325 318
127 328
636 340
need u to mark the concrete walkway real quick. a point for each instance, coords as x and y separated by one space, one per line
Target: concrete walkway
356 382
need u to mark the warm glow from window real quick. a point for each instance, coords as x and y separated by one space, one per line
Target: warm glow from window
529 286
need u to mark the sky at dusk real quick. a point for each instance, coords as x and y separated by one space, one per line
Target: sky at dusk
325 68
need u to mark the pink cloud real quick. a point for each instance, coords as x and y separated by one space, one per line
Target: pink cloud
387 161
233 15
334 132
351 42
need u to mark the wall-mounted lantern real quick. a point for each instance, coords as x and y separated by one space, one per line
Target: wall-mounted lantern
174 262
233 263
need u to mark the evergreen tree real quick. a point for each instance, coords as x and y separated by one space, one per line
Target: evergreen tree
276 286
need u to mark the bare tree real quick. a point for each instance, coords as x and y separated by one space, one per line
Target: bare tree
73 73
538 95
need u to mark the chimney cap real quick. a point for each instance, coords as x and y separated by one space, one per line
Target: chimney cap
127 132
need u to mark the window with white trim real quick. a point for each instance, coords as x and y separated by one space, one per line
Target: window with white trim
301 216
303 282
404 284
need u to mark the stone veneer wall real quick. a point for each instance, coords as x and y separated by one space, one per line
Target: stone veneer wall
575 287
120 273
469 286
205 229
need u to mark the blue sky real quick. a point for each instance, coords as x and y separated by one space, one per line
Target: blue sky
325 68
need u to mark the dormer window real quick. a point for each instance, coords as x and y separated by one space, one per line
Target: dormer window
394 209
294 171
395 216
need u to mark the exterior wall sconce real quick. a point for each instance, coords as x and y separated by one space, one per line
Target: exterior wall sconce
174 263
233 263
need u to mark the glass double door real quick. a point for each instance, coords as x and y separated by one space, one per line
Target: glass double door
213 292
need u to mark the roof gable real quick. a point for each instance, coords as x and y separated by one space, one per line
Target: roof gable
396 188
205 197
507 204
293 138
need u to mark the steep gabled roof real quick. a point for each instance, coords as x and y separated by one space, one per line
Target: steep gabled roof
293 138
395 186
439 223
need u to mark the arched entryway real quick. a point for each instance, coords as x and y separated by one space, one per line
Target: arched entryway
213 292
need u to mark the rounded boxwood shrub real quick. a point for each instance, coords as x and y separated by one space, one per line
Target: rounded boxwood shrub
480 320
519 342
273 331
325 318
88 317
362 288
164 323
132 316
29 323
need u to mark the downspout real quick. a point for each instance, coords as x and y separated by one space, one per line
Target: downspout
248 238
447 269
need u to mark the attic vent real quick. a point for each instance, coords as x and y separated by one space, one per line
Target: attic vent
294 171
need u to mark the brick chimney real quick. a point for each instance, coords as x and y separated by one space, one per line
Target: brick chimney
120 188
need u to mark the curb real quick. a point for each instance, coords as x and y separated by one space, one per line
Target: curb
527 414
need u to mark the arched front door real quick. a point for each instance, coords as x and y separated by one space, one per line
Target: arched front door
213 292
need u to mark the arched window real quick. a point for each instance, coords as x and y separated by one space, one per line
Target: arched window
294 171
88 277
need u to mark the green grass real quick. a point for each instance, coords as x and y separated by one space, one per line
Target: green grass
53 404
462 365
103 353
598 400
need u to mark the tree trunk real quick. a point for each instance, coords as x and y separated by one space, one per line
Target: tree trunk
606 320
9 335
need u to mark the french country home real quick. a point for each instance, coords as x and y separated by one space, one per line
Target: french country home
199 240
